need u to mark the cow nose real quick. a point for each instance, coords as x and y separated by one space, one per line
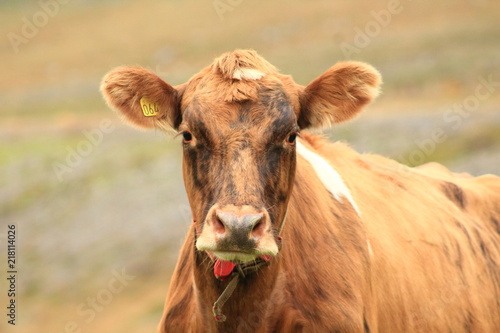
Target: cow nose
244 226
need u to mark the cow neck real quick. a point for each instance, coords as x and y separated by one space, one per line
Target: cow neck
240 272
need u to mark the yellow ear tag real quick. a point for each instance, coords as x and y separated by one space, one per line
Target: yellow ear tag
149 109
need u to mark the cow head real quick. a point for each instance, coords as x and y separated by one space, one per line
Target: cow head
239 120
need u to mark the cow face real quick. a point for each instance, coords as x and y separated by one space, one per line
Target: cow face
239 120
239 163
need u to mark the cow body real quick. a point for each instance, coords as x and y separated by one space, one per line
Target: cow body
423 256
368 245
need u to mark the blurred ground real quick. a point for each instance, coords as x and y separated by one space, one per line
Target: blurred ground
93 199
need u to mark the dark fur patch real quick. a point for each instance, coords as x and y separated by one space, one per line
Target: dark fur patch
469 322
281 127
496 225
365 326
192 156
454 193
276 189
194 115
466 233
319 292
279 109
490 260
446 251
244 115
459 259
484 250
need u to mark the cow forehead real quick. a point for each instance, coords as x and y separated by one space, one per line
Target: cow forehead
240 91
271 112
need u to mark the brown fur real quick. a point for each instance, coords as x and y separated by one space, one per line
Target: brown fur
423 256
339 94
124 87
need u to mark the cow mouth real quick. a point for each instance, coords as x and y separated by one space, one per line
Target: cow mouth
239 256
267 246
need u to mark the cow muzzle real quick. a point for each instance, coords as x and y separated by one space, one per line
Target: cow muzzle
237 233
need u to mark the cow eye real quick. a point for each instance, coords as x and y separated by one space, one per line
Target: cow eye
291 138
187 137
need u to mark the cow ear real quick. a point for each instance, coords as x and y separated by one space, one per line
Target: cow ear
142 98
338 95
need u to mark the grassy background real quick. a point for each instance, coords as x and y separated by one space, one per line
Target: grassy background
122 205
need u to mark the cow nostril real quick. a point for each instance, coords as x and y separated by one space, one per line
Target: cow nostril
258 229
219 226
245 225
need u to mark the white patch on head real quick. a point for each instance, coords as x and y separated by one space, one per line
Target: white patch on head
248 74
328 176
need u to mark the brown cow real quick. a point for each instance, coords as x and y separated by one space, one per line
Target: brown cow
369 245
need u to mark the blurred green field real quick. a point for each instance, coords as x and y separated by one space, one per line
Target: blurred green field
121 204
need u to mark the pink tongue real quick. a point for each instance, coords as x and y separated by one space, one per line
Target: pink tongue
266 257
223 268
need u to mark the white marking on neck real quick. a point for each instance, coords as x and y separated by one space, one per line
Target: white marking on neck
370 250
328 176
248 74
